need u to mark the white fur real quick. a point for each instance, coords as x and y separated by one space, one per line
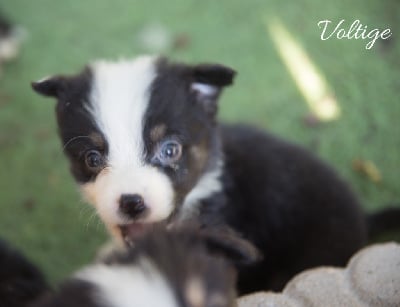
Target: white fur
125 286
206 90
118 101
207 185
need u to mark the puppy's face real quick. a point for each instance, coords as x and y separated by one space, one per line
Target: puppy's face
140 136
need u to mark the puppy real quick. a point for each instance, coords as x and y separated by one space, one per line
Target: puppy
10 39
177 268
144 145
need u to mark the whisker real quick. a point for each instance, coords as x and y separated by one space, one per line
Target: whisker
98 224
91 219
85 209
74 139
87 213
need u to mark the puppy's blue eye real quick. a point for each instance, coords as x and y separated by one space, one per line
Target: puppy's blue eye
94 159
169 152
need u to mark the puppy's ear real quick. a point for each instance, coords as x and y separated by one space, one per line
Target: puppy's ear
214 74
50 87
209 80
226 242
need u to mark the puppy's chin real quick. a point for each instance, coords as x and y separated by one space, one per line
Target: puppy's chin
127 234
133 231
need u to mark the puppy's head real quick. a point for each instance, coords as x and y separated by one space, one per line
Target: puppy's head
140 136
177 268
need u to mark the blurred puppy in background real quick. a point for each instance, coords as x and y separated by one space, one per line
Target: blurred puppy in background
176 268
10 39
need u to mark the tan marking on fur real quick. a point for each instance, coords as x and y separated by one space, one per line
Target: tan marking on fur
87 190
200 154
158 132
97 139
195 292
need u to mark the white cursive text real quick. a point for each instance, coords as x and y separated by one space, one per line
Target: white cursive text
356 31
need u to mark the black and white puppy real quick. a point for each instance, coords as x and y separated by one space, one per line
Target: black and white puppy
145 146
164 269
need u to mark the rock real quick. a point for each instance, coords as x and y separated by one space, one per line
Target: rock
372 278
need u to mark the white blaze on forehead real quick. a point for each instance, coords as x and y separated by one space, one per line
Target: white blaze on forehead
119 99
125 286
118 102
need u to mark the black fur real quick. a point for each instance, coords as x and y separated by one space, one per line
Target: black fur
383 221
291 206
75 120
21 282
186 117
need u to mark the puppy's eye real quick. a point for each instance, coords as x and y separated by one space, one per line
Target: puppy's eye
94 159
169 152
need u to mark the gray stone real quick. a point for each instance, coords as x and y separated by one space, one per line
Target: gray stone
374 274
318 286
266 299
372 278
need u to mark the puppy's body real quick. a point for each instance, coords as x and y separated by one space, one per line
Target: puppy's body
145 146
290 205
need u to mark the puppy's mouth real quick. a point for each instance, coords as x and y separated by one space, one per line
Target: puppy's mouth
133 231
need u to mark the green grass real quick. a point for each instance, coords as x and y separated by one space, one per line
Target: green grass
41 211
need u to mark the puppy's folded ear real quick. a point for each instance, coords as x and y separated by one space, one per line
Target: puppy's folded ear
214 74
226 242
50 87
209 80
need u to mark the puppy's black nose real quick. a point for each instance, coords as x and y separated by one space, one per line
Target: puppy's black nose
132 205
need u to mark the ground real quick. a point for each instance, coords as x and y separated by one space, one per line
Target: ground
41 211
